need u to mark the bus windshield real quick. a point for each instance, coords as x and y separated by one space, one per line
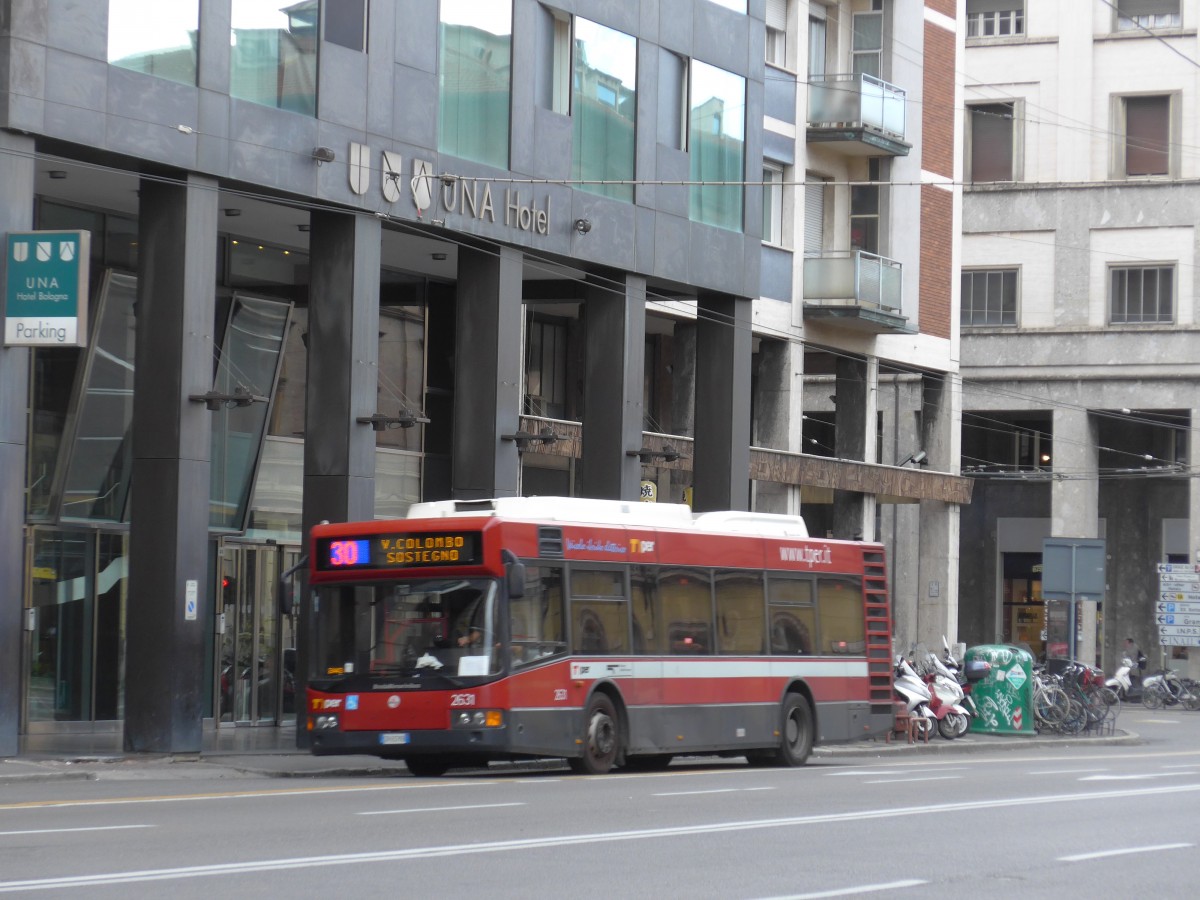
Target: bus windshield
442 627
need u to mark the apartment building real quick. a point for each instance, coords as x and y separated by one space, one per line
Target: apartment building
860 262
1078 315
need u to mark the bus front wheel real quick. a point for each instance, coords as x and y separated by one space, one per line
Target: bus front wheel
601 738
797 727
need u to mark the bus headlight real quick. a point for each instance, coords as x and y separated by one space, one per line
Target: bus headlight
478 718
325 722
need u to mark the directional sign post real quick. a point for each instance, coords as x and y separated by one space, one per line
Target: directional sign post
1177 611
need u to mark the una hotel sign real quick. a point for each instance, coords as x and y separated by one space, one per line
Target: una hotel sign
46 288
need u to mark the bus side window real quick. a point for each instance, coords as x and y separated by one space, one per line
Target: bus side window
536 628
840 604
599 612
739 613
792 616
687 611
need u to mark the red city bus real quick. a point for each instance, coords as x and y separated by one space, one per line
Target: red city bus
603 632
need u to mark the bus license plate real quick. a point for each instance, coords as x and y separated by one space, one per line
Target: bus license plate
400 737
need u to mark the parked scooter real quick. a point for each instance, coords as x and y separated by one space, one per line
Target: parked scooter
1122 680
915 694
949 697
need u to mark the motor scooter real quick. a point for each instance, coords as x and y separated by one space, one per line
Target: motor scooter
1122 681
912 689
947 703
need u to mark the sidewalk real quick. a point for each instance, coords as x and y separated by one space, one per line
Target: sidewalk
271 752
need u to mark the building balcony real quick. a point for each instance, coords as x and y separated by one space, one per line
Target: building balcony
861 290
862 115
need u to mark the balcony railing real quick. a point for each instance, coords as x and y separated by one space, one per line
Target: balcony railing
855 278
855 101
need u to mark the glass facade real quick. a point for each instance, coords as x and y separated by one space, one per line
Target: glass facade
604 109
273 53
155 38
475 78
717 146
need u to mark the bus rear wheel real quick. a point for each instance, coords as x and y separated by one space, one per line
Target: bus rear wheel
797 728
601 738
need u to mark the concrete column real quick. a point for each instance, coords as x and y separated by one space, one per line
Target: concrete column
342 384
780 413
16 214
487 374
723 350
1193 667
683 380
343 368
1075 499
613 384
166 641
938 529
855 420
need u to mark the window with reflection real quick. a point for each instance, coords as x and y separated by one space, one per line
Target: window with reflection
155 38
474 80
604 109
249 361
273 53
739 597
840 604
792 616
536 627
687 611
599 612
717 146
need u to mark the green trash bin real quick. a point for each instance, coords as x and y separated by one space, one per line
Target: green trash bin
1004 695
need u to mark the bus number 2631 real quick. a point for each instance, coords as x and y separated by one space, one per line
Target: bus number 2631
462 699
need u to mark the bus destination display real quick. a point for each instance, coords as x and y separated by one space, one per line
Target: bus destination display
399 551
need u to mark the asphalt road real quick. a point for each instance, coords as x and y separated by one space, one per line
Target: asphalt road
1048 821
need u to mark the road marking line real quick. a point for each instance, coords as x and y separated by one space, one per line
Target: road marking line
1065 771
238 795
689 793
66 830
906 780
429 809
438 852
848 892
1080 857
1141 776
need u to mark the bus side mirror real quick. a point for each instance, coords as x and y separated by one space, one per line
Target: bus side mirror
514 575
